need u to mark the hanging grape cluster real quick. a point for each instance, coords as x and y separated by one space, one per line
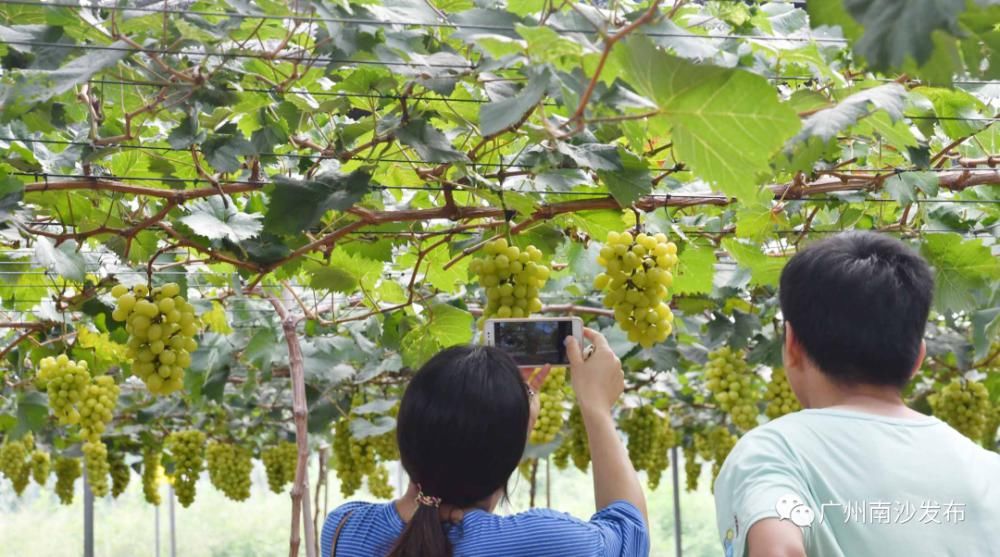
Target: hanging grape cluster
964 405
650 436
152 474
67 471
511 277
95 460
229 468
187 449
692 468
714 445
120 474
65 382
550 414
575 445
162 326
15 462
41 465
991 429
280 462
354 459
96 407
636 278
779 396
731 382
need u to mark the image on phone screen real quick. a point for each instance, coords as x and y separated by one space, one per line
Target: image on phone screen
533 342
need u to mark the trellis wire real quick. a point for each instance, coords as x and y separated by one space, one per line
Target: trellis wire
389 23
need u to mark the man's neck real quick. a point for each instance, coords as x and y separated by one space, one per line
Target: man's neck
870 399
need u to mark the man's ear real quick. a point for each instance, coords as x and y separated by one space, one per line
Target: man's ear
792 350
920 359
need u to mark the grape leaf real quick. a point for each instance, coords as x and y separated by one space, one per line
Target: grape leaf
961 268
296 205
726 123
212 219
429 143
497 116
764 269
63 259
695 268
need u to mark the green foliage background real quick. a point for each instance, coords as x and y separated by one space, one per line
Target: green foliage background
350 157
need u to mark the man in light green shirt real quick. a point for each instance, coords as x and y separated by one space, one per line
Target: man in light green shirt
857 473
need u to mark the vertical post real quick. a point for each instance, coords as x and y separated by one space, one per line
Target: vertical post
156 530
88 517
677 501
548 483
173 529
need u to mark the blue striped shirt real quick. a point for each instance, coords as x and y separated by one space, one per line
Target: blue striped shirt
617 530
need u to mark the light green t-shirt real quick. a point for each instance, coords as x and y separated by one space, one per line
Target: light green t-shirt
861 485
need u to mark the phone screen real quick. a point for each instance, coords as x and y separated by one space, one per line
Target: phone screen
533 342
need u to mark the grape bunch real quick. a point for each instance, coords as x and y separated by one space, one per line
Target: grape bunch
649 438
731 382
780 398
152 473
692 468
575 445
15 462
550 415
991 429
95 459
964 405
67 471
635 281
229 468
354 458
187 449
162 326
96 407
65 382
378 483
280 462
511 277
120 474
41 465
714 446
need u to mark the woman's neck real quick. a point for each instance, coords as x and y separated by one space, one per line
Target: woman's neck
406 506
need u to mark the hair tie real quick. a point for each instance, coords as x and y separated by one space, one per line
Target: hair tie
427 500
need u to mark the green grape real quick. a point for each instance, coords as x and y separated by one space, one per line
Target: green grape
990 431
636 281
65 382
714 445
526 467
162 326
511 278
576 437
550 416
731 382
40 466
560 457
280 462
95 460
666 440
229 469
964 405
640 425
692 468
780 398
67 471
15 463
187 449
120 474
152 473
96 407
344 462
378 483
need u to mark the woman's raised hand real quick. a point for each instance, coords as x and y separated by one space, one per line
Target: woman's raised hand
598 380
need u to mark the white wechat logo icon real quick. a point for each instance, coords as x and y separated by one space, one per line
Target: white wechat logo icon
791 507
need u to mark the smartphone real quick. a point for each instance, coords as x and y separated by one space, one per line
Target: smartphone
534 341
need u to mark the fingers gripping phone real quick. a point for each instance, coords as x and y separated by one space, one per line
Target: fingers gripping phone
534 341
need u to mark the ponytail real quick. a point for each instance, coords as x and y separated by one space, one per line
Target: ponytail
423 536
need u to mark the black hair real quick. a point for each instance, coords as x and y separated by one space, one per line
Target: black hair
462 428
858 304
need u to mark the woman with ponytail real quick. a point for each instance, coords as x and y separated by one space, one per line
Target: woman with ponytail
462 428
